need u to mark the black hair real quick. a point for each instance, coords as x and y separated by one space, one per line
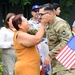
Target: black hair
55 5
47 6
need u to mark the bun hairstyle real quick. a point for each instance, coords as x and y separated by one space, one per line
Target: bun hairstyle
17 20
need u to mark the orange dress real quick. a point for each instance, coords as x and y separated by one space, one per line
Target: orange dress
28 60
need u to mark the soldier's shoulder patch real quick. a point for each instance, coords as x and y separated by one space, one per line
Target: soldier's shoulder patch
63 32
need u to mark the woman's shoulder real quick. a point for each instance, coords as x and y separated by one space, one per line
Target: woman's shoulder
3 28
3 31
19 33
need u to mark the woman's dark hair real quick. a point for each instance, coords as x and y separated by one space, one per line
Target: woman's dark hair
17 20
9 15
55 5
47 7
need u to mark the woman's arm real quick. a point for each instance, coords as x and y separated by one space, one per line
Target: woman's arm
31 40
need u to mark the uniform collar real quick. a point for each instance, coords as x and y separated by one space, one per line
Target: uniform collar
53 20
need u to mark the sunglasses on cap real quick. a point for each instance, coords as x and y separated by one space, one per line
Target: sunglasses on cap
36 10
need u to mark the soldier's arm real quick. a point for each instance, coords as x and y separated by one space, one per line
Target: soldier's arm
64 34
34 31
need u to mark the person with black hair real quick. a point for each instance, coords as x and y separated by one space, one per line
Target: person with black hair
58 33
56 7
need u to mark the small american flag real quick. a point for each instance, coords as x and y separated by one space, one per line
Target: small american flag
66 56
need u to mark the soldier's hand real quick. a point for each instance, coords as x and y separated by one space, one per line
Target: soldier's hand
44 20
47 60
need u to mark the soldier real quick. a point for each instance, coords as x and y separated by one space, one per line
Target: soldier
58 33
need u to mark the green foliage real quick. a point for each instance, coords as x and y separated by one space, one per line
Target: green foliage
0 55
1 70
22 3
66 6
19 2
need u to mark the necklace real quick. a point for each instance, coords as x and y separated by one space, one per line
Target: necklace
12 29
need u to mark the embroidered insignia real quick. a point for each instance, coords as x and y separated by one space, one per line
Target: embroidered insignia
63 32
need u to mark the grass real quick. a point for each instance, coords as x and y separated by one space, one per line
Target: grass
0 55
1 68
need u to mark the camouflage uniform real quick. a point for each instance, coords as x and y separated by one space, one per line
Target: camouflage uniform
58 33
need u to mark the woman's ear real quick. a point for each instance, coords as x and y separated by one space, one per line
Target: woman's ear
8 22
19 25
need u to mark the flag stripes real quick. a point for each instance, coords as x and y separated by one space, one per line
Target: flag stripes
66 57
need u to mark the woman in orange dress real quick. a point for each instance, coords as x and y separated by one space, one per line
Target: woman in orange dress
28 58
